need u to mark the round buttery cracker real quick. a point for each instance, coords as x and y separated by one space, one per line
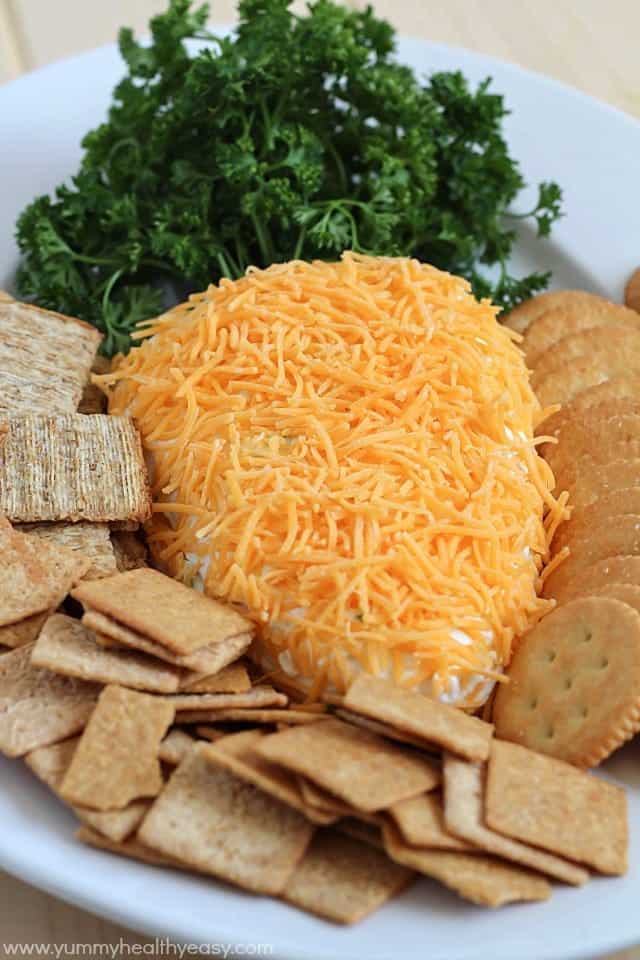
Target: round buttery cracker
574 683
570 318
587 479
620 569
611 537
618 503
595 435
600 344
628 593
522 316
566 381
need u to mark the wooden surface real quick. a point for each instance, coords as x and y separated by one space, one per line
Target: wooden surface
590 44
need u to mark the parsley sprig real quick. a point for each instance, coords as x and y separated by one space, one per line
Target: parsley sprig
298 136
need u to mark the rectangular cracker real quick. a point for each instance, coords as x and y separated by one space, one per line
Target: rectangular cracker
50 765
45 359
237 753
34 576
208 660
131 848
435 723
344 880
382 729
163 610
116 760
369 833
129 550
464 816
90 540
362 769
477 877
24 631
66 646
174 747
256 697
546 802
421 823
38 707
320 800
291 717
73 467
231 679
219 824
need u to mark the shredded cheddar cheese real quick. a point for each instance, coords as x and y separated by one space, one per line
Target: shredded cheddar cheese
348 450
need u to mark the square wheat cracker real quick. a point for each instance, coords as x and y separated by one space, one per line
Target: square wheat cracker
38 707
256 697
231 679
45 359
73 467
174 747
130 848
214 822
364 770
34 576
116 760
163 610
436 723
421 822
291 717
91 540
343 879
548 803
66 646
464 816
23 631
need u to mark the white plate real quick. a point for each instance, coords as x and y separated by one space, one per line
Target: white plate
593 152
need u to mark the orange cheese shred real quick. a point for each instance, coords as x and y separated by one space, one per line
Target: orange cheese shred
347 450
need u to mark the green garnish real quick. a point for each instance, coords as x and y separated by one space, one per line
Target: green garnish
298 137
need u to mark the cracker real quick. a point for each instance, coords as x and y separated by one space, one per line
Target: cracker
37 707
364 770
66 646
213 821
290 717
550 804
129 550
522 316
610 570
90 540
574 682
587 480
45 359
435 723
231 679
482 879
34 576
174 747
464 817
318 799
632 291
131 848
599 437
563 321
92 400
116 760
619 503
611 537
628 593
618 390
238 754
421 823
383 729
73 467
369 833
163 610
262 696
563 383
597 343
344 880
50 765
207 660
24 631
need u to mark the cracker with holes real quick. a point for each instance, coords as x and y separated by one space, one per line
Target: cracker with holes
550 804
574 683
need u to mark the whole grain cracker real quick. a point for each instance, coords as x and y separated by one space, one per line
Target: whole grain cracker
291 717
321 800
263 696
477 877
434 722
34 576
163 610
560 322
611 537
174 747
550 804
344 880
211 820
129 550
364 770
421 822
464 817
50 765
24 631
622 569
132 848
45 359
116 760
207 660
73 467
383 729
360 830
38 707
90 540
66 646
574 682
231 679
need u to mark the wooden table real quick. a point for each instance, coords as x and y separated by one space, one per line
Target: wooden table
587 43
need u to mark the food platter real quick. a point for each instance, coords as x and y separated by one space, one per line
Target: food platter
558 133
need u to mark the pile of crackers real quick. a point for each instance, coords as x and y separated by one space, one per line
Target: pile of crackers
135 700
574 688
